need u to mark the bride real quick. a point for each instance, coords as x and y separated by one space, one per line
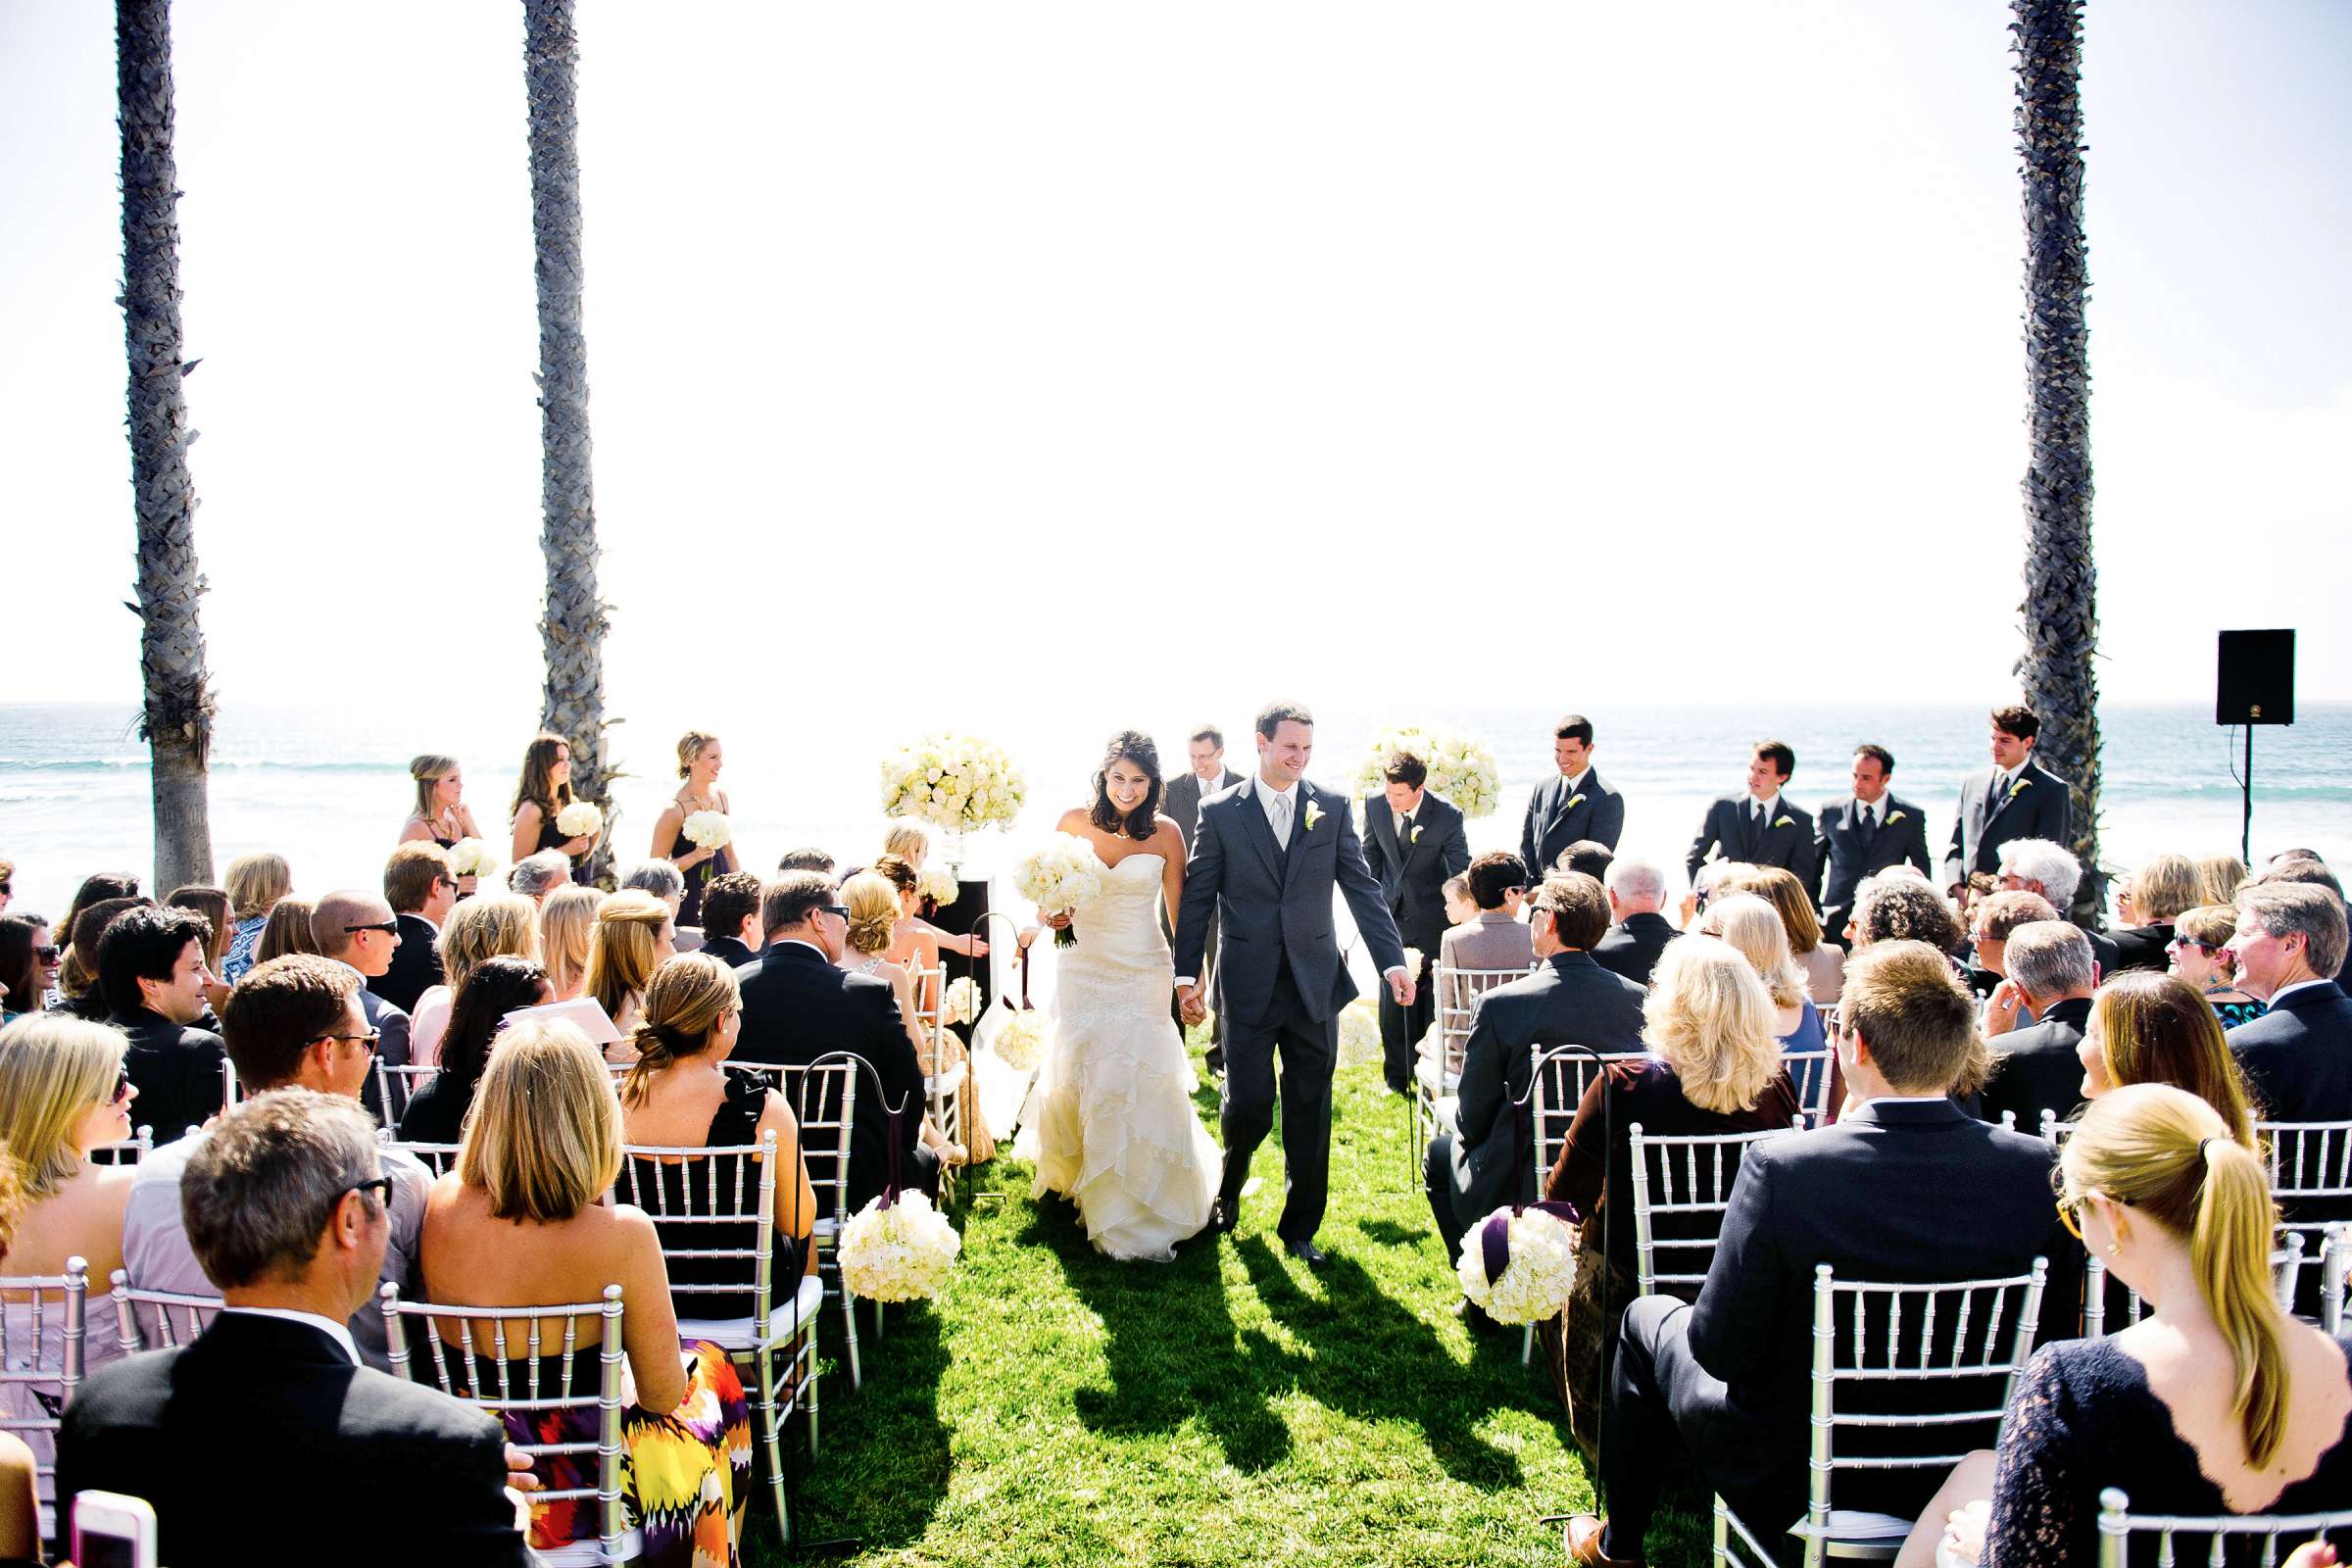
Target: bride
1116 1126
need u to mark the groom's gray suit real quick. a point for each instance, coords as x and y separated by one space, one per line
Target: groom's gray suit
1280 974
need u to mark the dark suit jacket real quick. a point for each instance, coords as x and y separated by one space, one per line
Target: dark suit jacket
2142 947
1182 803
1846 854
1786 841
1558 816
729 950
2041 809
176 1071
2298 1055
361 1468
797 1008
416 964
1568 1000
1633 945
2039 1069
1412 876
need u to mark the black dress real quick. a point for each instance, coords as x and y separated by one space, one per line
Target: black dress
735 1124
2085 1419
551 836
690 912
436 1112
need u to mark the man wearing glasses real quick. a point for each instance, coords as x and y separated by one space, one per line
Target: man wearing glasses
359 930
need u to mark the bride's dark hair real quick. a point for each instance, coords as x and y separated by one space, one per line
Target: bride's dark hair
1128 746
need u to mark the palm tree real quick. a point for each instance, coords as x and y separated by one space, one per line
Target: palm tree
2060 609
177 718
572 633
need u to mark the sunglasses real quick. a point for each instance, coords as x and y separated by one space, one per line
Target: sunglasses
390 928
841 909
122 1085
368 1038
2190 942
48 955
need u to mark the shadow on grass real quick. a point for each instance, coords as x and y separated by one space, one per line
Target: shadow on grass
891 1424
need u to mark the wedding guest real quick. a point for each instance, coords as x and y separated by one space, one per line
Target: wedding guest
86 997
904 871
633 934
2160 890
2218 877
421 891
20 1491
806 859
1714 1068
480 929
1460 907
1495 938
359 930
522 1221
1751 927
731 918
2301 866
536 877
540 797
1480 1165
2051 973
441 817
2200 956
699 762
2155 1029
291 1023
1760 827
913 944
1823 962
436 1112
213 904
910 841
566 922
659 878
1413 841
254 882
680 1094
1899 909
2297 1057
1589 855
1990 922
1637 933
287 930
80 972
1575 804
1726 1380
151 966
285 1202
1862 834
1701 888
2016 798
29 958
1207 776
876 910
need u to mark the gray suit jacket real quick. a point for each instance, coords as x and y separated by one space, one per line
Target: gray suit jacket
2039 806
1183 802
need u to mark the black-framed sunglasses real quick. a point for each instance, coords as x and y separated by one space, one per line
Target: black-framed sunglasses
841 909
370 1039
48 955
390 928
381 1186
122 1085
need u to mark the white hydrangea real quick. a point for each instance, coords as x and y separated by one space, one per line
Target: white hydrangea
1538 1277
938 884
955 782
581 820
471 858
1061 876
1461 768
1021 1043
962 1003
900 1254
708 830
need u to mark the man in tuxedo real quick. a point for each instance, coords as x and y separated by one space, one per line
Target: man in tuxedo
1413 841
2051 975
151 971
798 1005
1576 803
731 918
2040 865
357 929
2016 798
1761 827
1864 834
1905 1189
286 1204
1637 932
1207 778
2297 1057
1489 1159
422 892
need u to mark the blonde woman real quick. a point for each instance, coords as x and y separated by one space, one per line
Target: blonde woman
19 1495
1824 963
633 935
566 920
2215 1403
2160 891
255 883
1715 1069
503 925
522 1221
875 914
287 930
910 842
699 762
1754 928
441 813
2218 877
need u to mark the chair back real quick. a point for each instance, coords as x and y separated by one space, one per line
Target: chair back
824 1101
2335 1278
2117 1524
715 1210
1456 993
2286 1272
1682 1187
1814 1073
394 1085
1561 1075
43 1326
129 1152
439 1158
2311 1173
157 1320
930 1012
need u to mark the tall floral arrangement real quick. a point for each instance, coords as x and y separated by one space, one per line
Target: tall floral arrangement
955 782
1461 768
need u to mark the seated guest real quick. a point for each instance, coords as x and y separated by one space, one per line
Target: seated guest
875 910
1990 920
2155 1029
421 891
1714 1068
436 1111
1904 1188
1760 827
151 963
292 1023
255 884
1460 907
810 859
285 1209
2200 956
80 972
19 1495
1495 938
1823 964
1702 887
522 1222
633 934
2159 891
494 926
731 918
2297 1057
2301 866
357 929
287 931
2051 973
1752 929
1484 1163
1588 855
85 997
2038 865
660 878
2218 877
29 958
798 1005
909 844
566 922
535 876
212 905
2215 1402
1892 907
680 1094
1862 834
1637 932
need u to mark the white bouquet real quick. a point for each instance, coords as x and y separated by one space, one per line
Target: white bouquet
1412 962
1021 1043
708 830
1062 876
938 884
1539 1264
898 1254
953 782
470 858
962 1003
1461 768
581 820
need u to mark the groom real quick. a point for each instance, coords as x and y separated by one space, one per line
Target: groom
1265 858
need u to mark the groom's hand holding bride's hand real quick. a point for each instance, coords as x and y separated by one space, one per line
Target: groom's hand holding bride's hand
1188 1001
1401 985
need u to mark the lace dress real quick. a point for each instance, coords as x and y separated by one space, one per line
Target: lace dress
1115 1127
2083 1419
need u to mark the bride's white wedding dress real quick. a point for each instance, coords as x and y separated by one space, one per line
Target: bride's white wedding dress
1114 1122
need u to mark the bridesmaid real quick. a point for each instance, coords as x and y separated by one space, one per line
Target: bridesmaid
441 813
544 790
698 763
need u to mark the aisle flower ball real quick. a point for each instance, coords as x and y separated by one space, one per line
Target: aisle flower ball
1021 1044
1461 768
1535 1280
955 782
1061 876
900 1254
938 884
708 830
962 1003
581 820
470 858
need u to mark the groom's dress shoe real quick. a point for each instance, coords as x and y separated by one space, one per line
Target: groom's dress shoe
1307 1252
1224 1217
1584 1543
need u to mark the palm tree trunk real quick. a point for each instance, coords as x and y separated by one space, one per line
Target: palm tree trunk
2060 612
176 719
572 631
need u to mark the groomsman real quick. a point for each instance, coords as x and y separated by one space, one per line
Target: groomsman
1208 777
2016 798
1575 804
1864 834
1413 841
1761 827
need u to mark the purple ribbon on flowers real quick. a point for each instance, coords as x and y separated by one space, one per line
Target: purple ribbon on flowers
1495 1236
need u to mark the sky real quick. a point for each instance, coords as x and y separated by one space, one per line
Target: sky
959 354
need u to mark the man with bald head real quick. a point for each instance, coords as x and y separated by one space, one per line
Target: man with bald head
359 930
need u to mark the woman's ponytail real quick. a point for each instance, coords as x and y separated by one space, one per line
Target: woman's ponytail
2230 1251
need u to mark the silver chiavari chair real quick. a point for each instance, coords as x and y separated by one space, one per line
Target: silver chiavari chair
477 1361
1438 1074
145 1319
394 1086
2288 1262
42 1326
1814 1073
2310 1176
1561 1075
2335 1278
126 1151
2117 1524
439 1158
942 1080
1685 1183
824 1099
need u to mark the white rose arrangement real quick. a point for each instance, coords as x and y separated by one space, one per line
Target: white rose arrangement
708 830
954 782
470 858
900 1254
581 820
938 884
1021 1043
1061 876
1539 1271
962 1003
1461 768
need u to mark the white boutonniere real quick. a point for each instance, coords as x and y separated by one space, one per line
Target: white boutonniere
1416 838
1786 821
1896 817
1314 814
2020 784
1574 801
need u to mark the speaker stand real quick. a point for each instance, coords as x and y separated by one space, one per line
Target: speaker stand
2245 845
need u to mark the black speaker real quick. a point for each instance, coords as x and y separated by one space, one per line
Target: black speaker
2257 681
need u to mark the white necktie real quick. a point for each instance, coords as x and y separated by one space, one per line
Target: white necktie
1282 821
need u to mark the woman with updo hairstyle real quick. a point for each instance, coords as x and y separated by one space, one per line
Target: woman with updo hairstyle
2215 1402
633 935
540 796
2149 1028
908 844
567 922
496 987
877 906
698 763
680 1094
